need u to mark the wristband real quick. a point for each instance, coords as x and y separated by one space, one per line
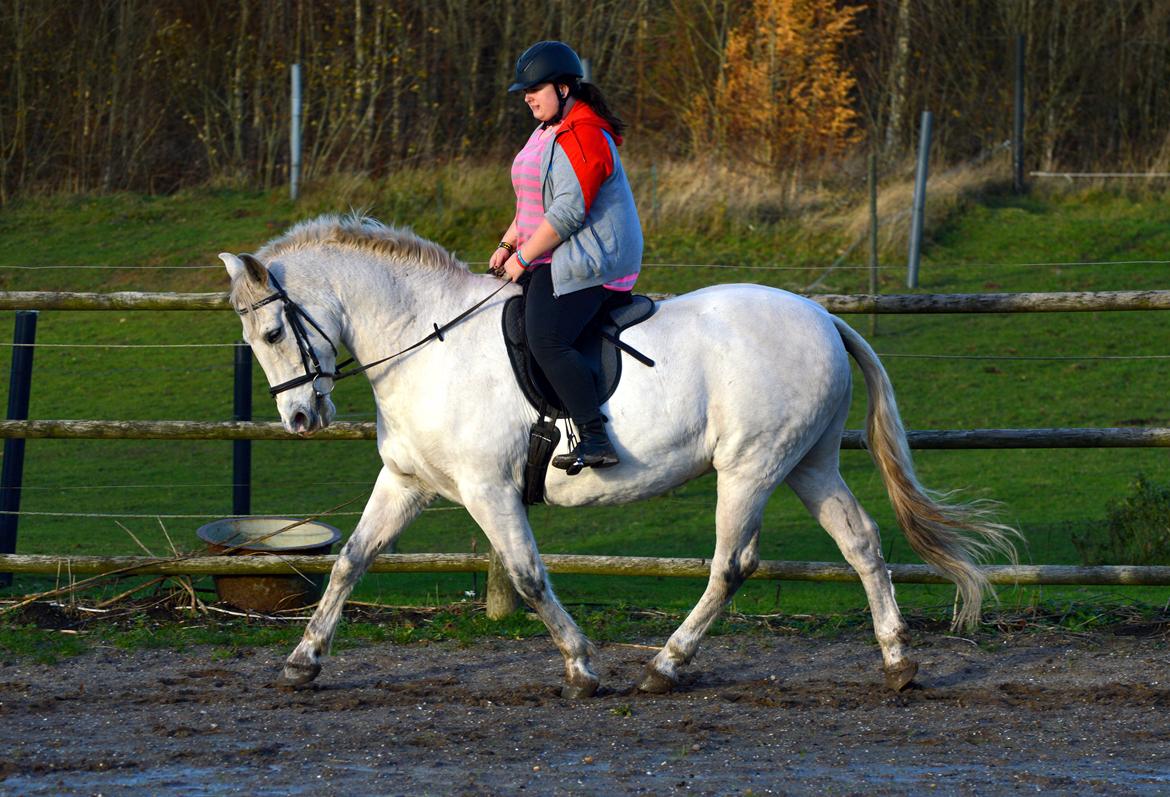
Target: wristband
520 259
509 248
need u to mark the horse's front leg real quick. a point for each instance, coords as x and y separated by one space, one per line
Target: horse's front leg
500 513
394 503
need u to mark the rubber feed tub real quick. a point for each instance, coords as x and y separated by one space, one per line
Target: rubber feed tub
263 536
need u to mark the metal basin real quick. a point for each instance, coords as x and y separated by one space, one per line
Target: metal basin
263 536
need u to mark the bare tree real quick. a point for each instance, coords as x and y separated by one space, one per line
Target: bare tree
899 77
153 94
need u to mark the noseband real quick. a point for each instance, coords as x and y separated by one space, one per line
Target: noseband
323 380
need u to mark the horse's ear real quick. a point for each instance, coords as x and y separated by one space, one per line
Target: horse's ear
256 269
244 265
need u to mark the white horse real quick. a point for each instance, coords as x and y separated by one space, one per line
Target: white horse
751 381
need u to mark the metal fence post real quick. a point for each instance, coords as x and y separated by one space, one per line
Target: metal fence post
19 388
294 134
919 207
1018 122
242 449
654 195
873 237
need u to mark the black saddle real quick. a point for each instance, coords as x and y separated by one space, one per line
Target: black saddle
600 344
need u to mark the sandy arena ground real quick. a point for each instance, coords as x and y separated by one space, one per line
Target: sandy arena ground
761 714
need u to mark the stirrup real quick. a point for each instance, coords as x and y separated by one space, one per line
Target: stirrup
570 463
576 461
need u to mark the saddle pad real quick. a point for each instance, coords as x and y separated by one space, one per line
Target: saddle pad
604 357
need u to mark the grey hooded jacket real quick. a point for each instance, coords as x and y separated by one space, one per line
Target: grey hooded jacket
588 201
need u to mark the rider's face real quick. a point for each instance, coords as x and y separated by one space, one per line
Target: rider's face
543 100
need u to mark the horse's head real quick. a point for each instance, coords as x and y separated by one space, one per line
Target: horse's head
293 343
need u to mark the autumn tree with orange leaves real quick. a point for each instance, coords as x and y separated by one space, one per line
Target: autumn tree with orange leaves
785 95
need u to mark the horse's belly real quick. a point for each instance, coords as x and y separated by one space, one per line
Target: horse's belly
639 476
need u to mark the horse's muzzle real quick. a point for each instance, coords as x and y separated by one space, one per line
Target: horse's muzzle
306 421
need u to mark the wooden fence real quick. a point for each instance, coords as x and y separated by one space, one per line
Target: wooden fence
607 565
674 567
950 439
1058 302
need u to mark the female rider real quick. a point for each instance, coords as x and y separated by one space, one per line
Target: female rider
576 233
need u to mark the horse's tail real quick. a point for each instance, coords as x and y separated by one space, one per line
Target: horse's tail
948 535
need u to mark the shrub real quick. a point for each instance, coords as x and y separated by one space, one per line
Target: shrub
1137 528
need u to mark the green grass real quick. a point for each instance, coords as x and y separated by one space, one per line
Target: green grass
42 646
50 635
993 243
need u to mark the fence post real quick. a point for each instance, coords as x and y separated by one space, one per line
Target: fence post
242 449
19 388
1018 125
873 238
654 196
919 207
501 596
294 134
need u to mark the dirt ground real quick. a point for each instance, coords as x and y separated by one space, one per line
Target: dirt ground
761 714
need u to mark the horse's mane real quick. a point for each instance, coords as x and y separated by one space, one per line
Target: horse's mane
358 231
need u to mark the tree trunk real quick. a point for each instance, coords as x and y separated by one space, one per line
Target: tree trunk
236 106
899 79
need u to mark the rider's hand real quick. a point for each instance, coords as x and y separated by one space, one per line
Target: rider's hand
496 261
513 268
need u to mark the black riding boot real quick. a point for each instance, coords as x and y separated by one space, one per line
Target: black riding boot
594 451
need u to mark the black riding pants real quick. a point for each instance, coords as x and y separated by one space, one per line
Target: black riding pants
553 324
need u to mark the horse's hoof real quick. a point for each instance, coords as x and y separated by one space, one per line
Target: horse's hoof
655 683
295 674
579 689
900 676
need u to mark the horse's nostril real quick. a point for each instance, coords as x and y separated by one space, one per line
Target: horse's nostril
300 422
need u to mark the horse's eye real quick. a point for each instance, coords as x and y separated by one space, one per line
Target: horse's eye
273 335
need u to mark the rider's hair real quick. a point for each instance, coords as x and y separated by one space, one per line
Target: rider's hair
591 96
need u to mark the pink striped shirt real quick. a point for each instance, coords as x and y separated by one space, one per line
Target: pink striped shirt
526 182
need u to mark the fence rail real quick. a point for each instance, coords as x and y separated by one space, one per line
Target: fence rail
1061 302
571 563
952 439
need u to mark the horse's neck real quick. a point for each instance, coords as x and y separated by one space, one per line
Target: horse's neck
385 309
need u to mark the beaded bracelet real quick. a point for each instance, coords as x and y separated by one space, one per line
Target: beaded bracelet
507 247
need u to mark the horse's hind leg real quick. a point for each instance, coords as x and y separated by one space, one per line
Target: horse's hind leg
818 483
394 502
738 515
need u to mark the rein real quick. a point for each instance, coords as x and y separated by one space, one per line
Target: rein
321 379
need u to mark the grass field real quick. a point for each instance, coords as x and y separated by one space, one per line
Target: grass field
950 372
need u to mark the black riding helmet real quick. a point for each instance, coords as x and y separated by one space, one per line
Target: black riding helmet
543 62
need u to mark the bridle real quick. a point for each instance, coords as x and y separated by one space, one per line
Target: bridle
321 379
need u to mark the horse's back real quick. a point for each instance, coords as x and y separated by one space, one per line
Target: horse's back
742 332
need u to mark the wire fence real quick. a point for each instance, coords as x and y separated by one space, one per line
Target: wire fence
739 266
61 347
882 354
